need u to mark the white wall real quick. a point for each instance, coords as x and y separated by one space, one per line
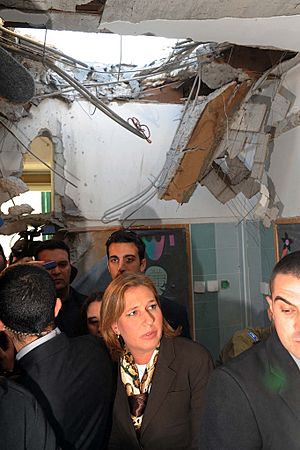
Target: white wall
110 164
285 158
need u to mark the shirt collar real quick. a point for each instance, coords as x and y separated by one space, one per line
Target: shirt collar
297 360
37 343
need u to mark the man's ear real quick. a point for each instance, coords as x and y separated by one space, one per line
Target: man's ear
2 326
143 265
270 303
57 307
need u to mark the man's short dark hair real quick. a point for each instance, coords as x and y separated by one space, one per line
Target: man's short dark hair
288 265
51 244
128 237
27 299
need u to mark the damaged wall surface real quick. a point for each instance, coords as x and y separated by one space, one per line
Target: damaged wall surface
224 139
109 165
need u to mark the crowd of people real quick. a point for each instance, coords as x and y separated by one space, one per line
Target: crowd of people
119 370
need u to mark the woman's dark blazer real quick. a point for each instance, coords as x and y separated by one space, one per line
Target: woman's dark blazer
173 412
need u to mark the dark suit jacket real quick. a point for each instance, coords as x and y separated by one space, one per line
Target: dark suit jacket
70 319
176 315
172 415
22 423
253 402
72 380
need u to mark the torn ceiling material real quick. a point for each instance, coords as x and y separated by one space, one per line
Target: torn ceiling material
33 50
223 139
197 136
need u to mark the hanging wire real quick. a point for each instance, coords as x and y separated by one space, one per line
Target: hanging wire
48 62
120 61
110 214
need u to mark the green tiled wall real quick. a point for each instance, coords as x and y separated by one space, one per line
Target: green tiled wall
204 268
218 254
267 252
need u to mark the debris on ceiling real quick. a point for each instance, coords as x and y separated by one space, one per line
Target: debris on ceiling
235 105
50 58
224 138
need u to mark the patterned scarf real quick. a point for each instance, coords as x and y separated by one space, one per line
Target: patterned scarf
137 390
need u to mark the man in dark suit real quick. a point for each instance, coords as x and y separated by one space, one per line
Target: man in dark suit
253 402
126 253
70 319
22 423
71 377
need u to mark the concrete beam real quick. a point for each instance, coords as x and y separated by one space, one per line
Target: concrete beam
139 10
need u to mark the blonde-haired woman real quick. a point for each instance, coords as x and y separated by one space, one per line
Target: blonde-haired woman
162 377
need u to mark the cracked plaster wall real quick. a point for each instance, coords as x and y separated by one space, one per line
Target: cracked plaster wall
109 164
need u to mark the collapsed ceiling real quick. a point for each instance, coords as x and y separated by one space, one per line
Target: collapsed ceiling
235 104
224 139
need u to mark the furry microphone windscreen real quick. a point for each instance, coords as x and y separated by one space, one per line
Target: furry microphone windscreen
16 82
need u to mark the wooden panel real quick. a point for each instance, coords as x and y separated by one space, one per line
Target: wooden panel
203 142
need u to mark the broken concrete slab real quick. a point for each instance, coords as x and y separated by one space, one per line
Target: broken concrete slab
197 138
236 170
13 186
217 183
215 75
12 226
287 124
19 210
260 156
135 12
282 102
270 216
250 117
